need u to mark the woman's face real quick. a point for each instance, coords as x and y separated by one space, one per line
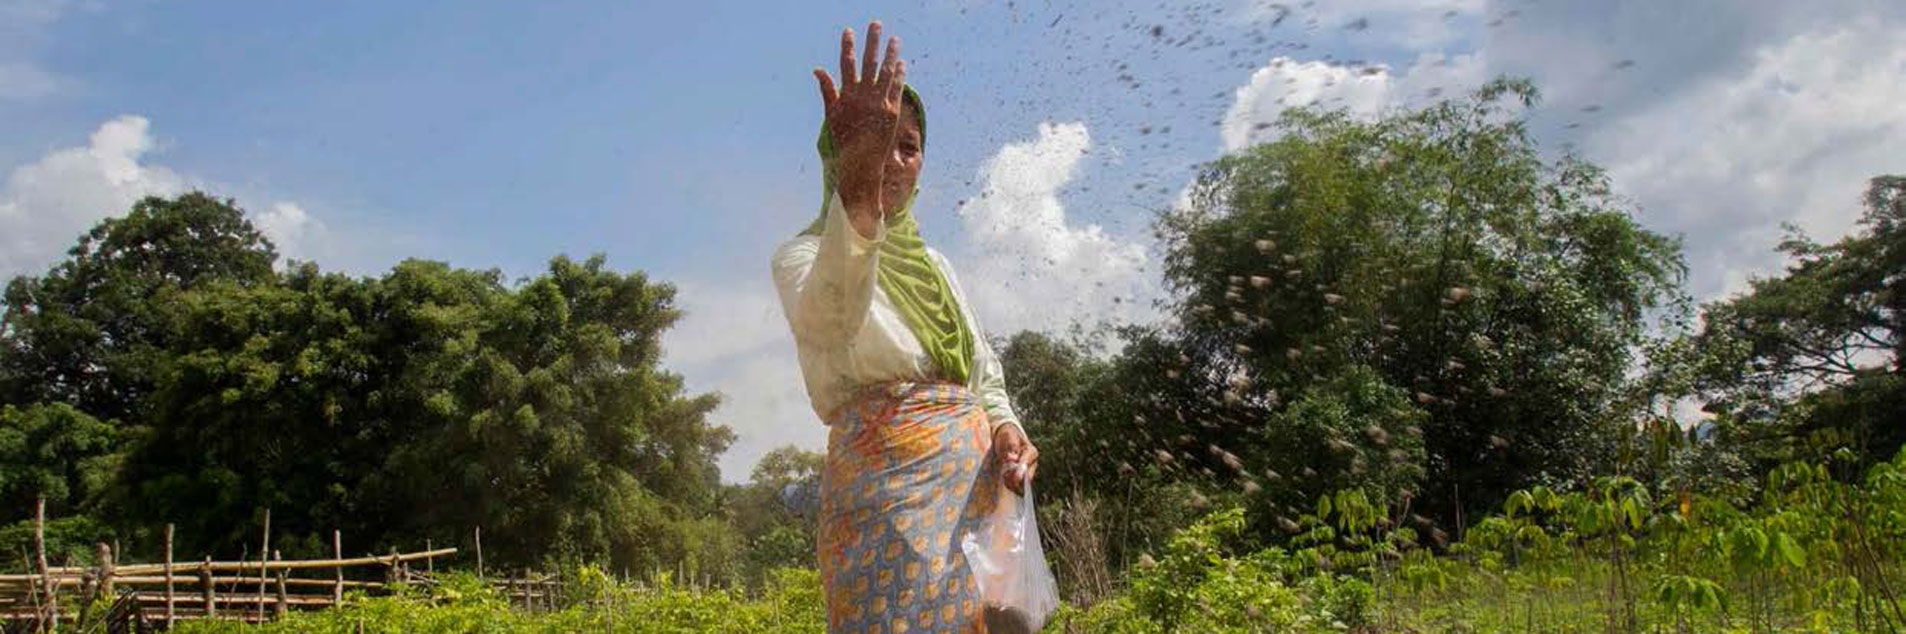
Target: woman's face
903 168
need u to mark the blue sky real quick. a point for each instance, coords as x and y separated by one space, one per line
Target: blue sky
677 138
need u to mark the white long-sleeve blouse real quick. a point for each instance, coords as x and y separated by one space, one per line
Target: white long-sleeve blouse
848 333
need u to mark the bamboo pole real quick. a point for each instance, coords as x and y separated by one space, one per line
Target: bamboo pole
283 599
250 566
106 571
144 580
169 614
205 581
509 588
33 586
248 598
264 552
50 620
337 550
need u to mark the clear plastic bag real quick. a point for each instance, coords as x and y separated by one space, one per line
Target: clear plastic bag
1009 567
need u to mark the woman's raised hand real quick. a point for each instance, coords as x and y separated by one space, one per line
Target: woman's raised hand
863 116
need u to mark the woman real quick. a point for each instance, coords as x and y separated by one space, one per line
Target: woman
921 434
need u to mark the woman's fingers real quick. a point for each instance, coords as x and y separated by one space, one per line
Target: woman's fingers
847 77
828 94
896 75
870 63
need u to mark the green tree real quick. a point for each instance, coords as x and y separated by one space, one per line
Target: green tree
775 512
90 332
1504 294
56 452
1810 361
428 403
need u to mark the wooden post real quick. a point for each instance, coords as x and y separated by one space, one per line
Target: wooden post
391 575
32 586
430 563
479 549
49 620
337 552
106 571
284 599
512 588
211 596
263 552
169 616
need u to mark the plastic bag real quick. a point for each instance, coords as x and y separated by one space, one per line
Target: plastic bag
1009 567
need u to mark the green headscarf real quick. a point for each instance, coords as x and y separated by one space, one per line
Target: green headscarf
918 289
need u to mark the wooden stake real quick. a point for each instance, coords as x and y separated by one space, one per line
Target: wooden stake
337 552
106 571
263 552
169 615
283 598
211 594
509 588
50 620
430 565
479 549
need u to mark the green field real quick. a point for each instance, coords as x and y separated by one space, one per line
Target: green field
1813 555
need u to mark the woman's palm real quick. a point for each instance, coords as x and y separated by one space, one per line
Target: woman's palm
863 116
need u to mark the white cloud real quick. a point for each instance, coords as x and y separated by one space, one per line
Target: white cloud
733 339
1792 138
1365 92
47 204
1026 266
294 231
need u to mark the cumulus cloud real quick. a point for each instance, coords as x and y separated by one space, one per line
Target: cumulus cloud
1791 138
48 203
1027 267
1364 92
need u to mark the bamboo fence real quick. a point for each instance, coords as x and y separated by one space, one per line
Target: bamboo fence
146 597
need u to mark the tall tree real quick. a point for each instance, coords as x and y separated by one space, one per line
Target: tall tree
427 403
89 332
1427 274
1816 353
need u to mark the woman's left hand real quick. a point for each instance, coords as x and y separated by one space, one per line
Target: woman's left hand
1011 445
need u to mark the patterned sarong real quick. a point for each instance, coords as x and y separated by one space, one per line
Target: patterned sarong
907 469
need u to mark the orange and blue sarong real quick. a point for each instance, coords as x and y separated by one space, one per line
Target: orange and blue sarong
908 470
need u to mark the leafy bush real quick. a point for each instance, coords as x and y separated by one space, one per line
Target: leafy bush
790 603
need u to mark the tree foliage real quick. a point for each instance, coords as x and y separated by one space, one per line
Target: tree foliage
1419 305
421 404
1815 354
91 331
